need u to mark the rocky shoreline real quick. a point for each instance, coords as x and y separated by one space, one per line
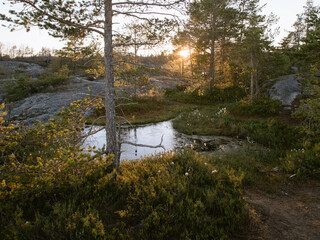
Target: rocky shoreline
43 106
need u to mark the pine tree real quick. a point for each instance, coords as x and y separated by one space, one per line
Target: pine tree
80 19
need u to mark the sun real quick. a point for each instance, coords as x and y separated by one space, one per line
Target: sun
184 53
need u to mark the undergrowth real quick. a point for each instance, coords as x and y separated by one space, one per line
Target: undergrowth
262 167
51 189
24 86
305 161
206 97
261 107
217 121
142 110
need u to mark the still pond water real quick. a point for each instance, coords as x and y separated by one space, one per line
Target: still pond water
151 135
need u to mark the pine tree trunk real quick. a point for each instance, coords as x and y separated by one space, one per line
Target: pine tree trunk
191 64
212 55
135 49
212 65
256 82
111 134
252 80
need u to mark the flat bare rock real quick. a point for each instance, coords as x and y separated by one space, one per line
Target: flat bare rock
286 90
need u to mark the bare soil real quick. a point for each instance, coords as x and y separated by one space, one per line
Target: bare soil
291 213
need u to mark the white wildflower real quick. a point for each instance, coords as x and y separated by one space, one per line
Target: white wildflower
249 140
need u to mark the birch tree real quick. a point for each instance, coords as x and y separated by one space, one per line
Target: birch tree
81 18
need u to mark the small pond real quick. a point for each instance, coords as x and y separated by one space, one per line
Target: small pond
151 134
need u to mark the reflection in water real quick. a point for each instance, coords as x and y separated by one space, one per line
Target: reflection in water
151 135
148 134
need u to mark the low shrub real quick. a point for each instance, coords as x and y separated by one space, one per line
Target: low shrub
207 97
41 169
303 162
261 106
24 87
181 87
260 165
217 121
180 197
51 189
274 134
3 72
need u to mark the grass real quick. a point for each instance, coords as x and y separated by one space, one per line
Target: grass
217 121
267 142
207 97
261 107
144 110
262 167
152 110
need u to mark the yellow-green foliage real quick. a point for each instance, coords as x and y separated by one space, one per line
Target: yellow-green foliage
179 196
39 167
305 161
51 189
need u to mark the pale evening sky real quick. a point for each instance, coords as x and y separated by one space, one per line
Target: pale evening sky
285 9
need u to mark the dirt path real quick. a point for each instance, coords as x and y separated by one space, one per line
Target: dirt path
292 213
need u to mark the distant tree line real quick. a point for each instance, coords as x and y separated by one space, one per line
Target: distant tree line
23 52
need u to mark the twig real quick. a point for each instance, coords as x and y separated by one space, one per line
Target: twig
125 104
90 132
129 123
145 145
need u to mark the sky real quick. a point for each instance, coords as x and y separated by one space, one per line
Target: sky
286 10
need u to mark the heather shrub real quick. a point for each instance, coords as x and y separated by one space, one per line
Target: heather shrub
50 188
26 86
261 106
180 196
305 161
